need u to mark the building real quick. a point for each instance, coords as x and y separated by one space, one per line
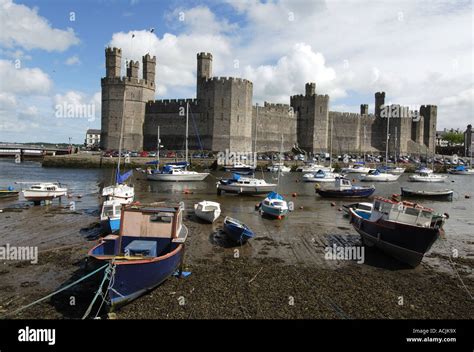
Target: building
468 141
92 138
222 116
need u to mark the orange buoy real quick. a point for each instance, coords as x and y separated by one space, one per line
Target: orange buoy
301 207
280 217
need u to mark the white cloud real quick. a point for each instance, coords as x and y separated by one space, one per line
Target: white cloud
24 27
23 80
73 60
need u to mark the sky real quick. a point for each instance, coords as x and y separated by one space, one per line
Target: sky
52 55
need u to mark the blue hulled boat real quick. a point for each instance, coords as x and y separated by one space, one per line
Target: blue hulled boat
343 188
148 249
237 231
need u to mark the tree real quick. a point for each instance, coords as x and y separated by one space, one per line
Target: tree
454 138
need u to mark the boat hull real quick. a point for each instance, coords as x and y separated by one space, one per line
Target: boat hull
380 178
347 193
426 179
447 195
249 190
237 234
8 194
42 195
110 225
273 211
176 178
404 242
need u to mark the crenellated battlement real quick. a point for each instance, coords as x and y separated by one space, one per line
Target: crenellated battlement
128 80
114 50
227 80
203 55
173 101
274 107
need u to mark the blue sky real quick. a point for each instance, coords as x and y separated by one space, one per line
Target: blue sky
350 49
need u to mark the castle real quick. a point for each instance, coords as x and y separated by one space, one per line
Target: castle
223 117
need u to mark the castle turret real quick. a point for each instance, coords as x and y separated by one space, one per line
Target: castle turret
132 69
149 66
310 89
204 70
113 60
429 113
379 101
364 109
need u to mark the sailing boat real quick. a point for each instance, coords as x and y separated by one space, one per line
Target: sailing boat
274 204
177 171
118 194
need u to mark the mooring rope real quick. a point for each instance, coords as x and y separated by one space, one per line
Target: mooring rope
56 292
109 272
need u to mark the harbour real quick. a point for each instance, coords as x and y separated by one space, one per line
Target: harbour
281 273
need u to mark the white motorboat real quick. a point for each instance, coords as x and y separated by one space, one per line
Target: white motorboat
207 210
321 176
278 167
44 192
427 177
244 185
120 192
377 176
313 168
170 173
274 205
240 168
355 169
423 169
110 215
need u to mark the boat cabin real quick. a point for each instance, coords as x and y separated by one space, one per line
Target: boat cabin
402 212
342 184
45 187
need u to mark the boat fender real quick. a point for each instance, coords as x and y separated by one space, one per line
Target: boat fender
317 186
257 206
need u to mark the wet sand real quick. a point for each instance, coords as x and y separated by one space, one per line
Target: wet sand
282 273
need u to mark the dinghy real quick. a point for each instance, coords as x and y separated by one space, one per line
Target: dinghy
363 209
148 249
8 193
237 231
207 210
443 194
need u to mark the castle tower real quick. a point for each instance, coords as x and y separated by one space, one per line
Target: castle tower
149 64
113 58
429 113
310 89
132 69
204 71
123 96
379 101
364 109
312 119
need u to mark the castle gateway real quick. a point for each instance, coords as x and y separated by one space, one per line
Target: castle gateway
223 117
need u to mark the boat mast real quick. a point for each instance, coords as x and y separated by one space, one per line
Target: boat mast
330 156
121 133
158 147
365 142
388 138
395 148
256 119
187 127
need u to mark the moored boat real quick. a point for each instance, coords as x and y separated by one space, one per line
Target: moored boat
170 172
343 188
148 249
461 170
240 168
207 210
237 231
244 185
44 192
120 192
363 209
110 215
377 176
405 231
442 194
8 193
274 205
427 177
278 167
355 169
321 176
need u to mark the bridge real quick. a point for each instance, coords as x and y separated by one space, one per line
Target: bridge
14 149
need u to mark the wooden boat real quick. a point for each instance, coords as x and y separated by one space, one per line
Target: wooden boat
404 230
444 194
377 176
8 193
148 249
274 205
207 211
44 192
343 188
244 185
427 177
237 231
